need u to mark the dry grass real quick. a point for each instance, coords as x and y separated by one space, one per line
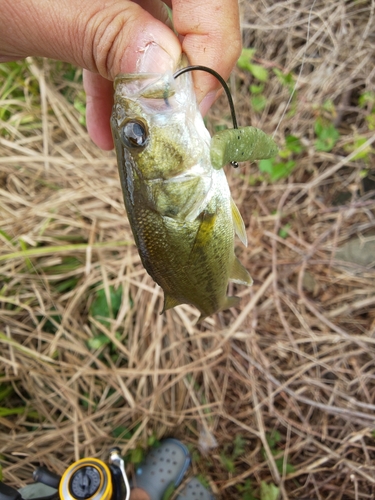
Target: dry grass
298 357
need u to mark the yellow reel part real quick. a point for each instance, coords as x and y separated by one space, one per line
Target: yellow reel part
86 479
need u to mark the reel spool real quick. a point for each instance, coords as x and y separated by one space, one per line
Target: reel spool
88 478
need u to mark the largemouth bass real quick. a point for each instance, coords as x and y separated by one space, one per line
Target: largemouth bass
179 206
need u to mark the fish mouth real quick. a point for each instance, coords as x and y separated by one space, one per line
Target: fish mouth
150 85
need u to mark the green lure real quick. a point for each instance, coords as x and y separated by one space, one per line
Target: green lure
237 144
241 144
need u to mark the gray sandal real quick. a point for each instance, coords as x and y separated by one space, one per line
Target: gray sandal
163 468
194 490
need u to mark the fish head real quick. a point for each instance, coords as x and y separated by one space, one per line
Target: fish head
156 124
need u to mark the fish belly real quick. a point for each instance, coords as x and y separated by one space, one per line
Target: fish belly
190 260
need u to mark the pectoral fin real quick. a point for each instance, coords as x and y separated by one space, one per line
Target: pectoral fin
238 222
239 274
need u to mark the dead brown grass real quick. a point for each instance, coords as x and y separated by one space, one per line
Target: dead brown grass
297 357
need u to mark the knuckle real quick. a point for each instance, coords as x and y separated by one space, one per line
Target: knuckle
105 33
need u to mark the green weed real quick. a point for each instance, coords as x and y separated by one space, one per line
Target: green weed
104 311
245 63
101 309
247 490
5 391
273 440
231 452
281 166
367 101
269 491
284 231
260 74
357 142
326 133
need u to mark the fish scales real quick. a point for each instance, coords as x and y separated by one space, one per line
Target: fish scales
179 207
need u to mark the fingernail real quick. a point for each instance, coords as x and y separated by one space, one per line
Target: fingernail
207 101
154 59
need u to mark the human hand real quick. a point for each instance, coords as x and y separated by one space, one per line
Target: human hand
106 37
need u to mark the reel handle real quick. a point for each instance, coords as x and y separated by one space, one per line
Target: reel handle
45 476
8 493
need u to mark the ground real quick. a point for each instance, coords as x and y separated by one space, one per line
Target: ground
275 397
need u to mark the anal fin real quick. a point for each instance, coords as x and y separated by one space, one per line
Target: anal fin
239 274
169 302
238 222
229 302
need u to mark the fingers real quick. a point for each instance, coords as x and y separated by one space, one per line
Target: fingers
108 37
211 37
116 39
99 91
105 37
99 101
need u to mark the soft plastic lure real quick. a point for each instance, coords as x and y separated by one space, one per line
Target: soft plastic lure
237 144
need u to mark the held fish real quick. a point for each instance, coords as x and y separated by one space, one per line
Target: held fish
179 206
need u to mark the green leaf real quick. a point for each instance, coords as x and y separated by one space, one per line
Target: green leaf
258 102
286 80
280 466
98 341
66 285
227 462
357 143
153 440
258 72
256 89
370 119
203 480
273 439
269 491
246 489
367 98
136 455
6 236
245 58
100 309
5 391
284 231
276 170
239 446
52 321
121 432
6 412
327 136
67 265
169 492
293 144
329 106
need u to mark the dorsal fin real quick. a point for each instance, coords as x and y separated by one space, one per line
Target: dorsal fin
238 222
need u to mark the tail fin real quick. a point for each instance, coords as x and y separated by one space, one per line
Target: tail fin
229 302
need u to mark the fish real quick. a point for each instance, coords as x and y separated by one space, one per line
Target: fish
179 205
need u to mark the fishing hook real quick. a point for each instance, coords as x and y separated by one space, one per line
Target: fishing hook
225 87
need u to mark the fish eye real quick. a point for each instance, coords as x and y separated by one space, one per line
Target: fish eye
134 134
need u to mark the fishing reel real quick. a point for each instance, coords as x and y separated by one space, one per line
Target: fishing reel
88 478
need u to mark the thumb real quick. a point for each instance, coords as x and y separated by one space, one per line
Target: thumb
104 37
